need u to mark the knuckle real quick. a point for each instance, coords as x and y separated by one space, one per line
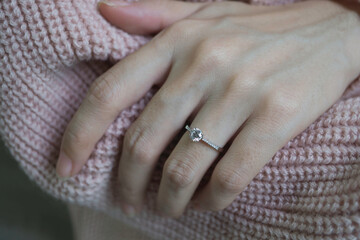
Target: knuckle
180 31
77 138
225 21
180 173
283 104
128 192
174 93
240 85
166 95
162 44
137 143
102 91
182 28
243 83
211 52
230 180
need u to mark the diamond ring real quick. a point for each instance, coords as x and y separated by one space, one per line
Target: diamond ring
197 135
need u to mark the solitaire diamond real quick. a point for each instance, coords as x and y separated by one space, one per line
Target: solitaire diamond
196 135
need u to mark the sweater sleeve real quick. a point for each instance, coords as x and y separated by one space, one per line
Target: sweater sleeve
50 53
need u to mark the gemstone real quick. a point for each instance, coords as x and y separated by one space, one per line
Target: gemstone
196 135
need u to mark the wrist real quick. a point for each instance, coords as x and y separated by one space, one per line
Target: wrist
351 36
348 25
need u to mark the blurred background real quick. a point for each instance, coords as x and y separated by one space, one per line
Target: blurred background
27 212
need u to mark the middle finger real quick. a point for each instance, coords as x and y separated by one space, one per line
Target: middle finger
148 136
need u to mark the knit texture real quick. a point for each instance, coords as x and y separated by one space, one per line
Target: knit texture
51 52
90 224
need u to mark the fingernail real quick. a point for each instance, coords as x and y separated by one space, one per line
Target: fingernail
113 3
64 166
128 209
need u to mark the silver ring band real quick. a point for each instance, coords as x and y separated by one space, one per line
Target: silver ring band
197 135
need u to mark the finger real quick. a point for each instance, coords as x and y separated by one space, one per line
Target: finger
146 17
113 91
149 17
261 137
152 131
189 161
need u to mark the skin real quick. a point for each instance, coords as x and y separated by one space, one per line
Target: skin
250 76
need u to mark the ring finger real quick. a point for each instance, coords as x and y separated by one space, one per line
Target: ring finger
189 161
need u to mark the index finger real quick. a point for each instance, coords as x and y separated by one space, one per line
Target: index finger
116 89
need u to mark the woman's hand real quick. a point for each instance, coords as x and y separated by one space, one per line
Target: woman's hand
255 75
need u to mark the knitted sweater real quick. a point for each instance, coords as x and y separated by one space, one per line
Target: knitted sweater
51 51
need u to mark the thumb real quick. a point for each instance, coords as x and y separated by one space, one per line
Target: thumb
146 16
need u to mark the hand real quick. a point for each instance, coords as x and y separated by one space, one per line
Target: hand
256 75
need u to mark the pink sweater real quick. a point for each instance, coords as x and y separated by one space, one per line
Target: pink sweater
51 51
